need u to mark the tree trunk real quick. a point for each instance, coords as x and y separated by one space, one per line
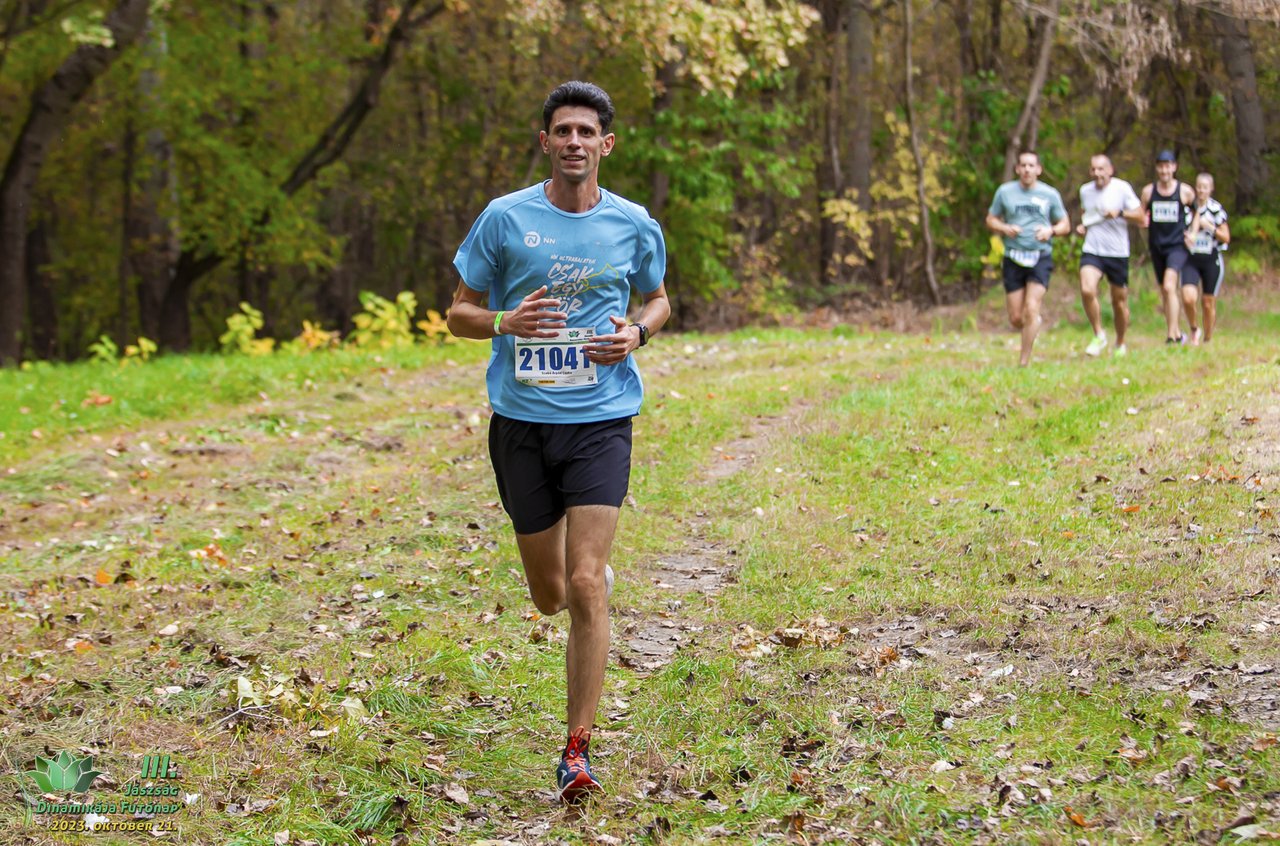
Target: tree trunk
1251 128
830 178
1034 89
660 179
151 231
43 310
915 154
50 105
859 95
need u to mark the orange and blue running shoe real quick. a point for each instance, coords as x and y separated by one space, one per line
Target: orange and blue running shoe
574 773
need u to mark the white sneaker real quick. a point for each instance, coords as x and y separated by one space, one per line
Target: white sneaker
608 581
1096 346
1120 351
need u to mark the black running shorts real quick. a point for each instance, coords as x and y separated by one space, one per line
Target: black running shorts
1174 259
1114 268
1016 276
1206 271
544 468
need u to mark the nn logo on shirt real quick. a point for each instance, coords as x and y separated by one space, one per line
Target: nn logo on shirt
533 239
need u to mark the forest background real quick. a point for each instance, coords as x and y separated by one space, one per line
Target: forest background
167 161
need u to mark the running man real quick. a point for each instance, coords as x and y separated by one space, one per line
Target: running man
1027 213
1168 209
1107 204
557 262
1208 236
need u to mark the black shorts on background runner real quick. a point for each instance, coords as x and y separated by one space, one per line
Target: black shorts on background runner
1115 269
1174 259
544 468
1205 271
1016 276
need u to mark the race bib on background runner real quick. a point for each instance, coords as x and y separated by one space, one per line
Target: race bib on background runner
1164 211
1203 243
1025 258
559 362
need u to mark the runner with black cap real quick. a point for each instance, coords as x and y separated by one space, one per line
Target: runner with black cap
1169 207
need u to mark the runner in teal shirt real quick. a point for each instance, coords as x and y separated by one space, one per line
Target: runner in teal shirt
1027 214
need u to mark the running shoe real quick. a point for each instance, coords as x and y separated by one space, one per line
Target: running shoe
1195 337
1120 351
1181 339
574 773
1096 346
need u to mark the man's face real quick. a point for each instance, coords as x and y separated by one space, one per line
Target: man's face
1204 189
1166 170
1028 169
575 143
1101 170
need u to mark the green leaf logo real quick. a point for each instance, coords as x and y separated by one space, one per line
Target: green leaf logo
64 773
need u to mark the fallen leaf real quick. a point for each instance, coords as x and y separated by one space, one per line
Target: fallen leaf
1076 818
169 630
102 577
1132 509
457 794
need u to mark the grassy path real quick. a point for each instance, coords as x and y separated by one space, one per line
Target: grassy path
873 588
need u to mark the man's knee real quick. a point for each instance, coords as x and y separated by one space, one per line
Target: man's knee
1189 294
586 588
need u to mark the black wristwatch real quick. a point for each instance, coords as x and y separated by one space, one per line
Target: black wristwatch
644 333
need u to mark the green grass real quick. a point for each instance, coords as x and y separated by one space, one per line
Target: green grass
1050 648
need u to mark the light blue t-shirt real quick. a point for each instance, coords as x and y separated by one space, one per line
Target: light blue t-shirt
590 262
1016 206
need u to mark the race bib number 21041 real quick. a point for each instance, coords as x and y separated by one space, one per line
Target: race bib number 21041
559 362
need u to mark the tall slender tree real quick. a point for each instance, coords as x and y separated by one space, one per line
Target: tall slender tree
49 108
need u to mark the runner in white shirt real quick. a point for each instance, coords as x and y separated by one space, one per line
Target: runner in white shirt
1208 236
1107 203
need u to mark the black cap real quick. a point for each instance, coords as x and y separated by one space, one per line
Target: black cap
1166 156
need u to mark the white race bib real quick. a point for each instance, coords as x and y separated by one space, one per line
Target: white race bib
559 362
1025 258
1203 244
1164 211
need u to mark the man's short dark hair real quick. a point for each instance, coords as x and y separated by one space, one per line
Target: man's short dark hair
577 93
1025 152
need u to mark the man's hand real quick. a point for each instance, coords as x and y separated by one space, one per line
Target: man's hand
1189 238
533 318
611 349
1012 231
1112 214
1044 233
1080 230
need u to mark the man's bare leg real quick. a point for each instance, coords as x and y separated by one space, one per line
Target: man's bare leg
1089 278
1030 320
588 538
1189 297
1120 305
542 555
1172 303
